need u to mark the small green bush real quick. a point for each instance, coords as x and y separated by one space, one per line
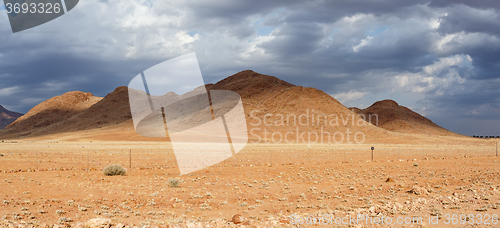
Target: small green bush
114 170
173 182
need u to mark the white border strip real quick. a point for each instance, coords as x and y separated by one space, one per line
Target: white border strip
64 6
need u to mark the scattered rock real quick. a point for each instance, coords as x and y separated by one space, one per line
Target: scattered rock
99 223
418 190
389 180
63 220
237 219
482 209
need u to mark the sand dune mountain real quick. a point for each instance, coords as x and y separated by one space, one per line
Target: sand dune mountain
397 118
275 111
7 117
51 112
72 111
279 107
113 109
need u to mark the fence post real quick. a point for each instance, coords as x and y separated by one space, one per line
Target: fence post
271 158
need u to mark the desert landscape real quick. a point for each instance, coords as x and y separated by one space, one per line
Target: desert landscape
418 175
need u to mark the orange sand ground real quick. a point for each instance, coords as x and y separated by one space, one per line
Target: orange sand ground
264 182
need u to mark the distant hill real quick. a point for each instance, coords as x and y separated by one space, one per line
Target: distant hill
7 117
50 114
397 118
282 101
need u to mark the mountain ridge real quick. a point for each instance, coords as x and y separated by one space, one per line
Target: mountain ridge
266 99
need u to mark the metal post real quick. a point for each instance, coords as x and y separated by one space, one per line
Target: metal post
496 148
88 160
271 158
36 157
130 159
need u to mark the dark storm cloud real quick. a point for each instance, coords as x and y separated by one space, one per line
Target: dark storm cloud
474 113
295 40
305 44
463 18
482 4
300 39
233 11
56 73
486 61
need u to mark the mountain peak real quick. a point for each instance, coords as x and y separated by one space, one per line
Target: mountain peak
394 117
7 117
388 103
250 83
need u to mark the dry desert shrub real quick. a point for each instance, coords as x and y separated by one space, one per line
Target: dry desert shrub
173 183
114 170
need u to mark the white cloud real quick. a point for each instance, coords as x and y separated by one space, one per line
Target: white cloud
363 43
436 77
434 23
446 63
482 109
349 96
185 38
9 91
452 43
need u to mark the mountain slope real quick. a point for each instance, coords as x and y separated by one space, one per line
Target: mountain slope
394 117
7 117
111 110
275 106
50 113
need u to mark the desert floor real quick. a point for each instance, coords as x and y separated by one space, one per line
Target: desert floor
61 182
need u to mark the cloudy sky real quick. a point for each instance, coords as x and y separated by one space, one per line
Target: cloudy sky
440 58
